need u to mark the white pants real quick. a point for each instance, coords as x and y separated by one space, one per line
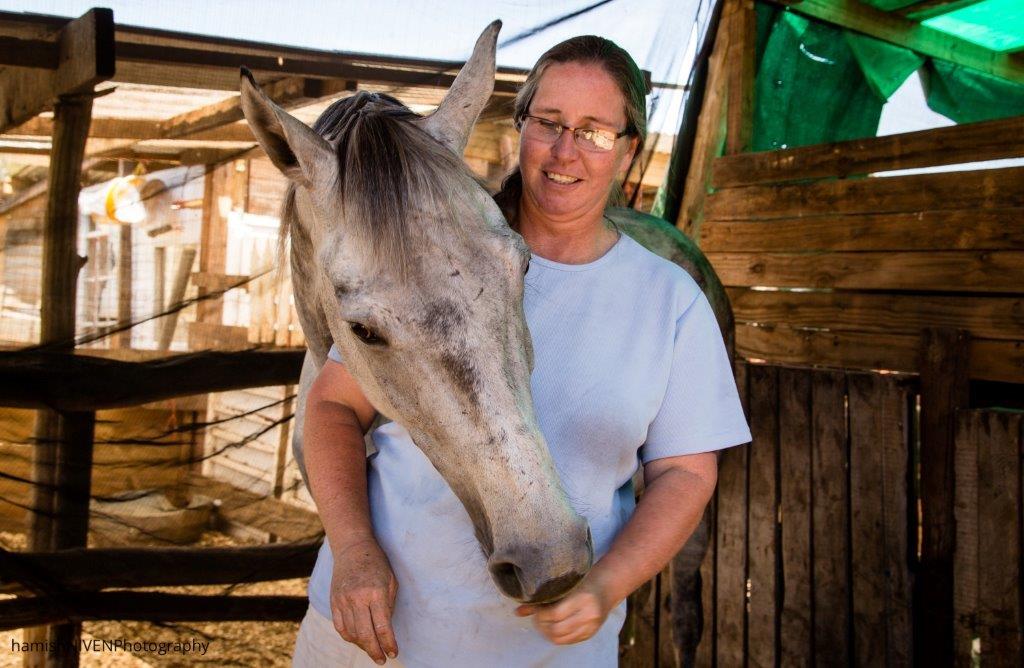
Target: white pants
318 645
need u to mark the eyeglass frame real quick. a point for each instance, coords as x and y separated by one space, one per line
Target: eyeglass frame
521 121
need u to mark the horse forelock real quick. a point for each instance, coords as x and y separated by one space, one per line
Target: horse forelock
397 185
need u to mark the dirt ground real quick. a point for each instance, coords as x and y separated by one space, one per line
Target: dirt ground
228 643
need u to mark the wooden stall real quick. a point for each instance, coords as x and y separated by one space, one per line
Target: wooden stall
878 325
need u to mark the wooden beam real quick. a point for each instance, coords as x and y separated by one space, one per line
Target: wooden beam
935 271
945 388
81 382
958 229
742 26
711 130
973 142
290 93
1001 361
38 53
925 9
881 313
149 606
134 128
93 569
320 65
903 32
982 189
86 56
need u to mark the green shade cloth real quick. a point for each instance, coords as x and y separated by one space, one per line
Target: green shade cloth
967 96
885 65
810 88
993 24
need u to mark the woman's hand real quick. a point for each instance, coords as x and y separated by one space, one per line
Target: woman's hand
574 618
363 589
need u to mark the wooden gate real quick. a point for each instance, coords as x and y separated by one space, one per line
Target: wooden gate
810 560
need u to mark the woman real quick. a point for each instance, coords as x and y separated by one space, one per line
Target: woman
629 364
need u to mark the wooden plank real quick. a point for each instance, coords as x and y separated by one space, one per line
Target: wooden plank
705 653
985 317
795 510
971 142
879 452
742 26
999 229
213 239
636 639
966 557
149 606
944 389
763 509
830 522
953 271
85 49
999 518
989 360
177 298
731 546
80 382
711 131
982 189
923 9
99 568
138 129
125 285
912 35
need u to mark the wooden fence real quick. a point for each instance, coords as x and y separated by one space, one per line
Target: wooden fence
816 542
824 267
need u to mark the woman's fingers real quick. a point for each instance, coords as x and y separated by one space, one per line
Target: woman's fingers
343 623
366 636
380 614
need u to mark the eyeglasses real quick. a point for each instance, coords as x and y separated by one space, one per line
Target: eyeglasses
587 139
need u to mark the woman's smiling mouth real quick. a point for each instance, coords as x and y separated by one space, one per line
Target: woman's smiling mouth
564 179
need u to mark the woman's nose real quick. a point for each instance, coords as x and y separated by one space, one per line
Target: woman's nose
564 147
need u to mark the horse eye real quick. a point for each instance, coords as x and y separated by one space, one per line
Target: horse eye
526 266
366 335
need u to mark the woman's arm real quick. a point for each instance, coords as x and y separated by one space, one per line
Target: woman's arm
363 587
676 491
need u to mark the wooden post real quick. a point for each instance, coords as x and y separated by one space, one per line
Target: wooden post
181 274
55 518
742 44
159 279
710 135
125 278
214 239
944 388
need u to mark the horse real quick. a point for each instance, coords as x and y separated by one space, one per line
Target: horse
403 260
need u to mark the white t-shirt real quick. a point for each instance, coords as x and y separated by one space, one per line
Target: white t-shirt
629 367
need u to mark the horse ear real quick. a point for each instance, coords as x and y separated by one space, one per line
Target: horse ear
458 111
290 144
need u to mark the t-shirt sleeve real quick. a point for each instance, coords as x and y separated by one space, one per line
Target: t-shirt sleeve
701 410
334 355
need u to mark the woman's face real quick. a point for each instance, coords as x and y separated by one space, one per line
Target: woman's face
561 180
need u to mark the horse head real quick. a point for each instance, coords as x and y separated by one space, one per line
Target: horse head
420 281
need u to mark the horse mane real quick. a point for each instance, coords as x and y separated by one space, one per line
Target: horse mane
393 177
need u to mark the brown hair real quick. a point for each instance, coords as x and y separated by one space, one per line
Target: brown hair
622 69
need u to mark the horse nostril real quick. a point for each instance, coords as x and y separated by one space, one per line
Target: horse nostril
509 578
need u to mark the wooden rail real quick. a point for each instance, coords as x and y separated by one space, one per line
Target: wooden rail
84 383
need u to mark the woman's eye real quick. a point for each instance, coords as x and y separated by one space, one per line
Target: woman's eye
367 335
